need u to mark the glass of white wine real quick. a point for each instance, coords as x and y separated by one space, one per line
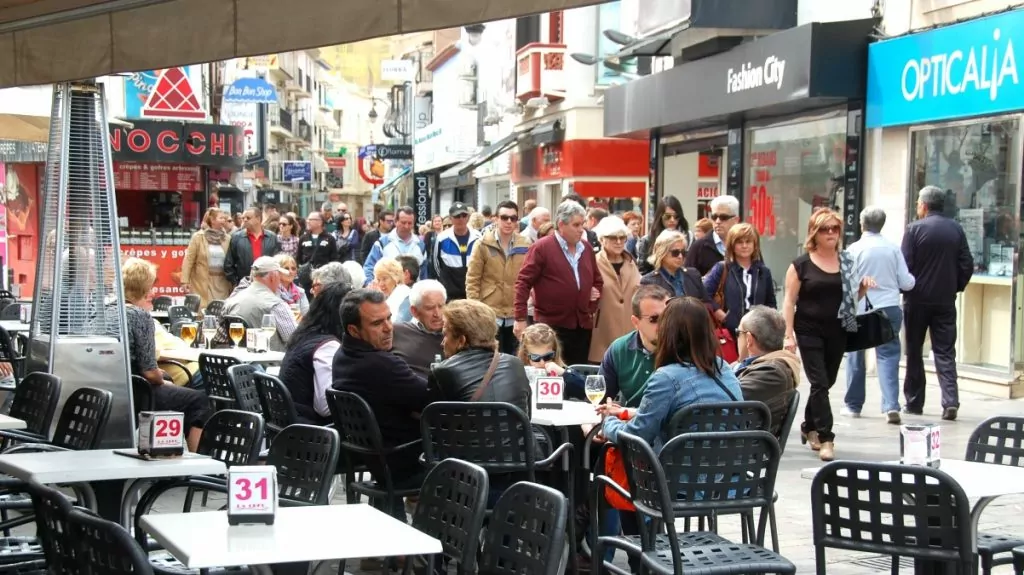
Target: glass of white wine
236 331
269 325
595 388
188 333
209 330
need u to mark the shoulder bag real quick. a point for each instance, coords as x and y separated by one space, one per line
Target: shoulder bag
487 377
873 329
728 350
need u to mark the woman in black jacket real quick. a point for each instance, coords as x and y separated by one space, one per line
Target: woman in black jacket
474 369
742 280
667 262
669 216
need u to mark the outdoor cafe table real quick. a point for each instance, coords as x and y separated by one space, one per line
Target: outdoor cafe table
158 314
105 470
8 422
14 326
299 534
982 481
192 354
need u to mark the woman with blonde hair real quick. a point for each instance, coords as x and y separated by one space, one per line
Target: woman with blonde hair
621 280
820 307
202 271
667 256
742 280
388 277
290 291
477 221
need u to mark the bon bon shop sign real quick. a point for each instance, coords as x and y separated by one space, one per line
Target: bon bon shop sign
963 70
179 143
168 261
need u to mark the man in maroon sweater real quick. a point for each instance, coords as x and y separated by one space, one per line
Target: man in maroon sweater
562 272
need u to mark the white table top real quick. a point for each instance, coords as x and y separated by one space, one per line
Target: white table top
158 314
192 354
572 413
318 533
976 479
14 326
101 465
8 422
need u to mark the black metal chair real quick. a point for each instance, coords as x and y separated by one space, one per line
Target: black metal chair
216 379
162 303
179 312
51 510
792 412
720 416
656 499
361 441
193 302
276 403
896 510
243 388
452 506
1018 561
35 401
998 440
104 547
526 532
142 396
80 425
231 436
215 307
10 354
11 312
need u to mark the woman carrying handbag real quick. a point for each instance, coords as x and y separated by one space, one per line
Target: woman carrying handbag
739 283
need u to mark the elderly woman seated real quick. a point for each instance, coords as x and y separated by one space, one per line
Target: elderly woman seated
138 277
474 369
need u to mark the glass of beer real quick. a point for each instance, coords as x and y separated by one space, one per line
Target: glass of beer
209 330
189 332
594 388
236 332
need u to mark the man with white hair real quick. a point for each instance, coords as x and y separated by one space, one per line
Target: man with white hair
561 270
709 250
261 298
331 273
880 259
537 218
417 341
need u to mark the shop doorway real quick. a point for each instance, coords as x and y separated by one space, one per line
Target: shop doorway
694 172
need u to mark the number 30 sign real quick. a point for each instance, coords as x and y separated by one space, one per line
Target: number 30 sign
252 494
549 392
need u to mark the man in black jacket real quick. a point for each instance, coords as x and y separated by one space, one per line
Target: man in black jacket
247 244
929 245
317 246
385 221
709 250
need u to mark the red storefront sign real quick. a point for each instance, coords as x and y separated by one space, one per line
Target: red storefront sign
336 163
168 260
147 177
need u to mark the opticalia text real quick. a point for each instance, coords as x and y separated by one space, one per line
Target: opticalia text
984 67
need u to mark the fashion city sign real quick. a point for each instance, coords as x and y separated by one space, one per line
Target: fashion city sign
749 76
967 69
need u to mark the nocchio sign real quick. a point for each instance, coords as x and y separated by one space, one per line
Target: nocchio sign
421 198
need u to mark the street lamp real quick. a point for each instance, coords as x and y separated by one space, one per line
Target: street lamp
474 32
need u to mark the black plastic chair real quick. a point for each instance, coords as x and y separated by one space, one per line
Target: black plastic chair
276 403
720 416
896 510
142 396
80 425
231 436
526 532
998 440
162 303
243 387
193 303
35 401
792 412
451 509
11 312
361 441
215 307
179 312
1018 561
104 547
655 501
6 294
10 354
52 510
216 379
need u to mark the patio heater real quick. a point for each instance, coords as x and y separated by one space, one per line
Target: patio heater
78 328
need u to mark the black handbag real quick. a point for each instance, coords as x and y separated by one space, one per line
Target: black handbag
873 329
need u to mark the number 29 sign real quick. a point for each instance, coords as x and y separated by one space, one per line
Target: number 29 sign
252 494
161 433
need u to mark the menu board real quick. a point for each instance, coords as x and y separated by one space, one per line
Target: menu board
145 177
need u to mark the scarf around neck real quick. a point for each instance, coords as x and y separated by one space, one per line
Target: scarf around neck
214 236
851 287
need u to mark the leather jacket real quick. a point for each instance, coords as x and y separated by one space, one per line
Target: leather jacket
458 377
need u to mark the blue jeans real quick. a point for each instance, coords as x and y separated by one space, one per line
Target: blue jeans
888 358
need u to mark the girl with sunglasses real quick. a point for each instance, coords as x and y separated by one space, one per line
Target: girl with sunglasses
669 216
539 347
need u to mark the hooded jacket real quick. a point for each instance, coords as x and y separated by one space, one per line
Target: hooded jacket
772 379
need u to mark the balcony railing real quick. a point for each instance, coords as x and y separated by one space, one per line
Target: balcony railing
540 71
285 120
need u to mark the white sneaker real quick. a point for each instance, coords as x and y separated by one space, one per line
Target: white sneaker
847 412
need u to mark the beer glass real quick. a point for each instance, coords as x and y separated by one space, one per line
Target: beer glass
188 333
236 332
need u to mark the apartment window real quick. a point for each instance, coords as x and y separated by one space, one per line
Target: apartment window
555 22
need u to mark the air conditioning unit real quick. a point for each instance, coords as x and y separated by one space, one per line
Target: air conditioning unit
468 69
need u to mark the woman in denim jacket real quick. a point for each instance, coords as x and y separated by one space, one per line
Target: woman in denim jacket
689 371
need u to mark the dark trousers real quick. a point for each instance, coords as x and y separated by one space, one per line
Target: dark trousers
939 321
507 342
821 358
575 344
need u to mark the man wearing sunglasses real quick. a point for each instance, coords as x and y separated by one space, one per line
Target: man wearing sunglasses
709 250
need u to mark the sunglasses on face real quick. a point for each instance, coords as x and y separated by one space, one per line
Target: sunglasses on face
460 216
676 253
538 357
652 319
507 218
669 217
616 239
829 229
721 217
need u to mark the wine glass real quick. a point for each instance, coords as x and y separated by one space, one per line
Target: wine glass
236 331
188 333
595 388
269 325
209 329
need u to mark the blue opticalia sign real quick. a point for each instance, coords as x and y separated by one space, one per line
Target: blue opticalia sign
968 69
297 172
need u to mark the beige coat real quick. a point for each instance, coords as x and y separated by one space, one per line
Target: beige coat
195 270
491 275
616 305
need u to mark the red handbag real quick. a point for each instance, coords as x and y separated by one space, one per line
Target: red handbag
615 469
728 349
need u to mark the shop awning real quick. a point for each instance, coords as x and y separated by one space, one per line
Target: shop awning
389 184
46 41
20 128
483 156
548 133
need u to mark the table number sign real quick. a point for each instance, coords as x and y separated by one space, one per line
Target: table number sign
161 433
920 444
250 340
549 392
252 494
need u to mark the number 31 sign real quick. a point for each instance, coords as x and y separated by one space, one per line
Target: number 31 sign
252 494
